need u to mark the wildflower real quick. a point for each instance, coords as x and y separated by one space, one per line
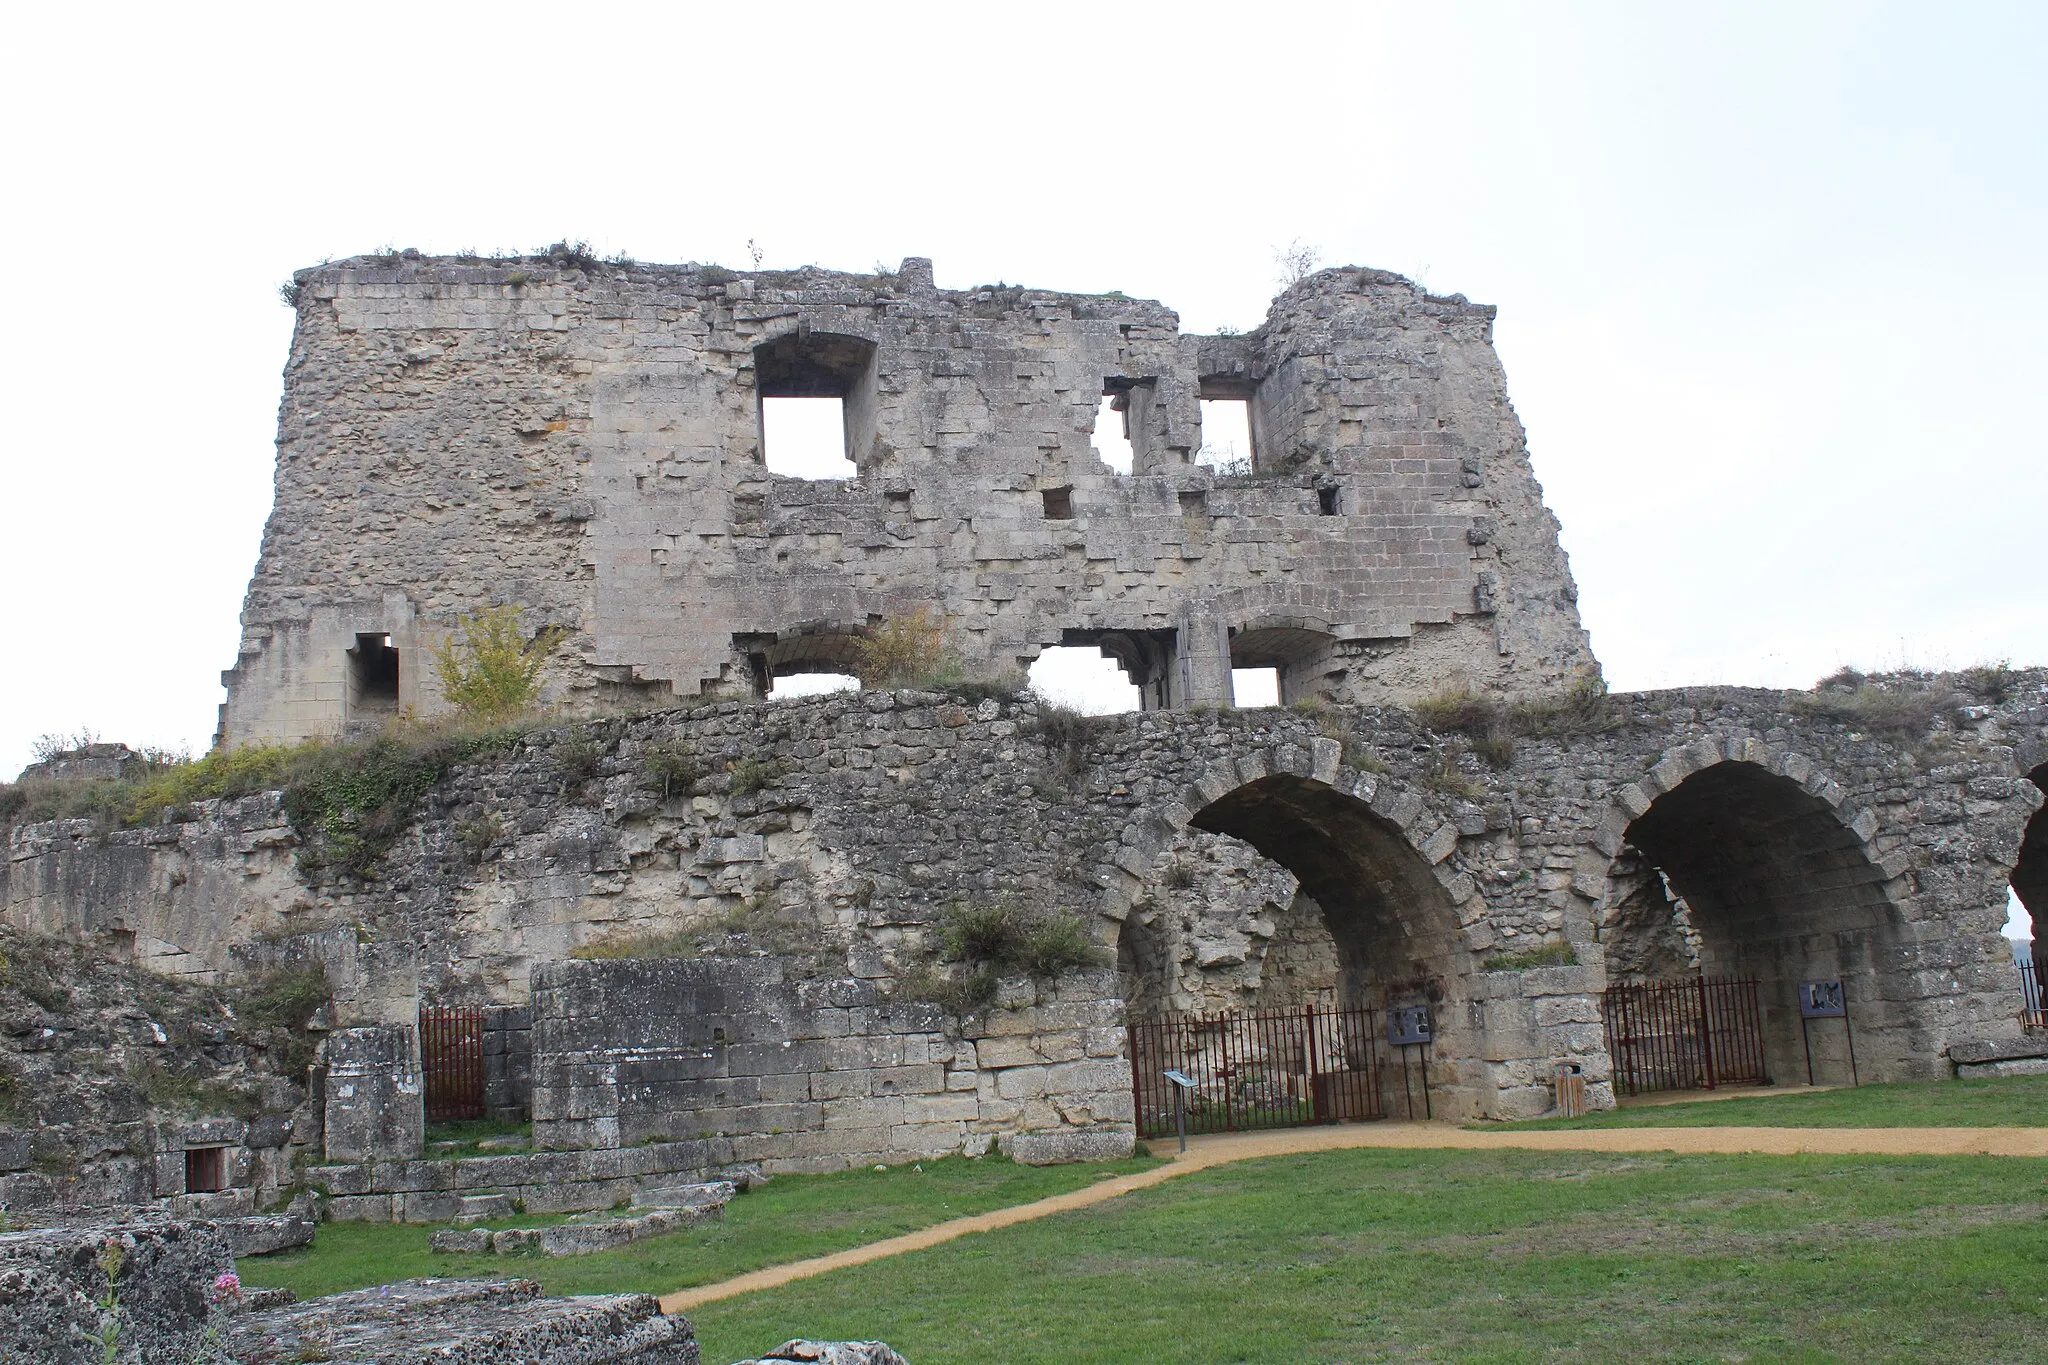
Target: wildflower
227 1287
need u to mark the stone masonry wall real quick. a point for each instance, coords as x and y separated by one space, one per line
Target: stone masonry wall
818 1075
835 833
585 441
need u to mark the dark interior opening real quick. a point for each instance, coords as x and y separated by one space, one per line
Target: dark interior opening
1327 501
1059 504
2030 872
373 675
1776 888
205 1170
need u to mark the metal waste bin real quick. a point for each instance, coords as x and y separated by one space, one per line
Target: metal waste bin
1571 1090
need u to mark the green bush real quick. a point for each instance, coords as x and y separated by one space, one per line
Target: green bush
493 672
672 769
750 775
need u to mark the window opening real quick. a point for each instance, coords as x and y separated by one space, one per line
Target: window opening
373 675
805 438
1082 678
1112 438
818 403
1194 503
1327 501
205 1170
1059 504
793 685
1251 687
1226 435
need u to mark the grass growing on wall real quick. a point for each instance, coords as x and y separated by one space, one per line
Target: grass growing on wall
789 1219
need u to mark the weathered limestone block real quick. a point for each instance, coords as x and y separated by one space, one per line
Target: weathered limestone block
375 1094
52 1282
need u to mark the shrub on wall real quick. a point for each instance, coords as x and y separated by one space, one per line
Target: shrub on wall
493 671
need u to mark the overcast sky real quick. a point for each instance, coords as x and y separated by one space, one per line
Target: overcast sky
1769 276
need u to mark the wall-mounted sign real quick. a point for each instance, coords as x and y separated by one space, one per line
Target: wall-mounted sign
1822 1000
1409 1026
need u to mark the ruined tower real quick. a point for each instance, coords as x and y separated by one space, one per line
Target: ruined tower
585 440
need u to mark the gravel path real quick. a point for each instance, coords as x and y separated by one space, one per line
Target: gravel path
1223 1148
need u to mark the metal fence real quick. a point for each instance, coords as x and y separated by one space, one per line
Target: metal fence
2034 1006
452 1056
1275 1069
1684 1035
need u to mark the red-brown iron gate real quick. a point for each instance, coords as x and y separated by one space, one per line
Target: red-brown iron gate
452 1056
1275 1069
1685 1035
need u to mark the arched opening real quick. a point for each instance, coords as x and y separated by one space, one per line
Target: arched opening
2029 888
1740 873
1396 942
1104 672
1285 660
804 662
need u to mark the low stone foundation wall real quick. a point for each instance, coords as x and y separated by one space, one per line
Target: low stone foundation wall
429 1191
803 1075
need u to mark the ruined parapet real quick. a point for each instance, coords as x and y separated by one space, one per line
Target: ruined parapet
587 440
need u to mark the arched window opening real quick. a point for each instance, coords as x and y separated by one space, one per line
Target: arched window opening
818 399
805 662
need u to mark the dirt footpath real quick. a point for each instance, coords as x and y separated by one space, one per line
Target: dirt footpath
1223 1148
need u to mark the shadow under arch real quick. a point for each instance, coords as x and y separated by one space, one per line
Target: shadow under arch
2029 878
1395 928
1778 886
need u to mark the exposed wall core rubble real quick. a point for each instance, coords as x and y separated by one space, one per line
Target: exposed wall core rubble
587 441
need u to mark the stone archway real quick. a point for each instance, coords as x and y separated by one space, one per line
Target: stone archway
1735 860
1370 857
2030 870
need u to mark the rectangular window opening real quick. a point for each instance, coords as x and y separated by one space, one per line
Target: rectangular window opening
373 676
805 438
1226 435
1250 687
205 1170
1327 501
1112 438
1059 504
1194 503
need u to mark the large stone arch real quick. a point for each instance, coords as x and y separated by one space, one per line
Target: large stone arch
2030 870
1775 875
1373 854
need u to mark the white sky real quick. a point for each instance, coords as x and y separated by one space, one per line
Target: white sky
1770 275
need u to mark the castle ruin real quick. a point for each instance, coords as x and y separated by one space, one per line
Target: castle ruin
585 441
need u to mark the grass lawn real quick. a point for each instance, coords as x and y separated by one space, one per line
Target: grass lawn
2015 1101
788 1219
1471 1256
